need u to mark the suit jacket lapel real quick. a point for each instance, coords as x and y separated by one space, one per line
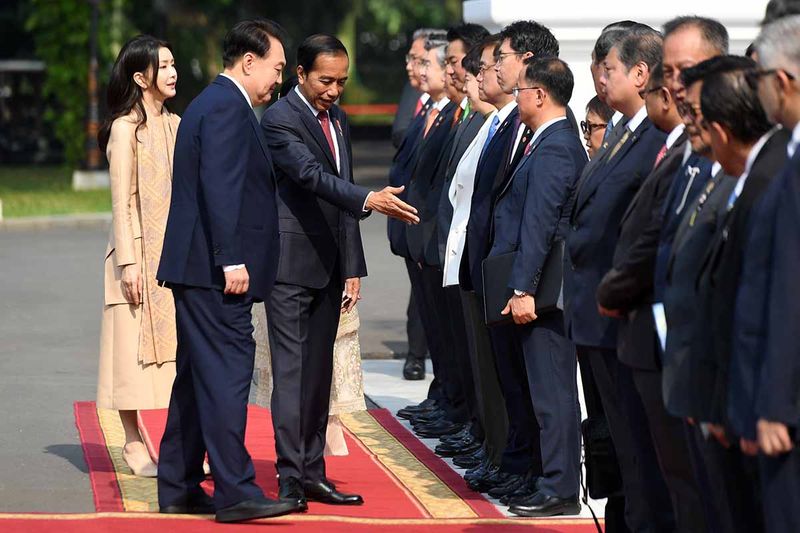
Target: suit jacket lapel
344 154
312 124
596 178
560 125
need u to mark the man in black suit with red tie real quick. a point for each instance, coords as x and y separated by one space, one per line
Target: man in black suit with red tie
321 260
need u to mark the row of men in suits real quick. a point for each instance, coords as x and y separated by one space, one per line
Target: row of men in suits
678 241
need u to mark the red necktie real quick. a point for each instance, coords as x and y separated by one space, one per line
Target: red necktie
660 156
322 116
419 106
432 114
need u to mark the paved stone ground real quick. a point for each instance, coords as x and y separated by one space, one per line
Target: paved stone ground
50 304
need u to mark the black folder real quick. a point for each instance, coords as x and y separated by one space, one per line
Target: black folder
497 273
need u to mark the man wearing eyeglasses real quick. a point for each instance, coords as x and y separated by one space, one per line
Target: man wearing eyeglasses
626 292
531 220
763 404
602 197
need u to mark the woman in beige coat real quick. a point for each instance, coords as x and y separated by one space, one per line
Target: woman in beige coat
138 340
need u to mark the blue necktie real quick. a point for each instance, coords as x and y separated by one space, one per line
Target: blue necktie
607 133
492 129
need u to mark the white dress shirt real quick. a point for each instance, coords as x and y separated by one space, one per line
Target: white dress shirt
330 126
637 119
676 132
748 165
791 148
460 194
615 118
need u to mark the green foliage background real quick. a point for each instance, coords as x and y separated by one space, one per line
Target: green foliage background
375 32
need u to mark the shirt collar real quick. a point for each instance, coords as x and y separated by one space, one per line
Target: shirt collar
791 148
506 110
616 117
424 97
755 150
715 168
303 98
674 134
464 102
441 103
544 126
240 87
637 119
687 153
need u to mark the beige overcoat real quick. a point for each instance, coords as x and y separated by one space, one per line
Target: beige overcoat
137 343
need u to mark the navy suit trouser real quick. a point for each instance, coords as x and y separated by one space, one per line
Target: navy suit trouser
302 331
551 366
780 491
208 407
521 453
434 342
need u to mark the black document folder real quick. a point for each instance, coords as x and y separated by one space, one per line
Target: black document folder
497 273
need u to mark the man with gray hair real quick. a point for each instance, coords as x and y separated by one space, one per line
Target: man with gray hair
763 396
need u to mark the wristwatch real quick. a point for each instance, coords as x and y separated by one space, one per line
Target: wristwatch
518 292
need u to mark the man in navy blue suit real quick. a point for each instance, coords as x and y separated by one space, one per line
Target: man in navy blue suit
602 197
531 218
220 254
321 260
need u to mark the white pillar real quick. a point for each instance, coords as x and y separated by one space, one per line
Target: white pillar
577 24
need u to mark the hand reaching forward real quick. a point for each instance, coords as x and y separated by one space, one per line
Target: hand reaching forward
387 202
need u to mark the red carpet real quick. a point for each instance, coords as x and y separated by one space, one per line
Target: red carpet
406 487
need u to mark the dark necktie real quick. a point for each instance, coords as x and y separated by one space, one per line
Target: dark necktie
325 123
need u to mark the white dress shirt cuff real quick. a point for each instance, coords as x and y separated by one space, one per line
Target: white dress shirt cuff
229 268
364 208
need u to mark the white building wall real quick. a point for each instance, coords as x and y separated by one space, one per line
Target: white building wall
577 24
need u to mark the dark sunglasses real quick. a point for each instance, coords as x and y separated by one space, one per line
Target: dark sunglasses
589 127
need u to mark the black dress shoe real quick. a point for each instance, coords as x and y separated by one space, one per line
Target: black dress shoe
411 411
414 369
436 429
480 469
470 460
510 485
199 504
325 492
489 481
463 435
291 490
458 448
428 417
253 509
541 504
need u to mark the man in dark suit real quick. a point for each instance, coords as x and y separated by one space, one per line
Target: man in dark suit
603 196
423 184
626 293
220 254
763 406
521 461
410 109
321 258
531 219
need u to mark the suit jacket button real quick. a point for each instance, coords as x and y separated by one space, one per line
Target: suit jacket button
572 267
574 227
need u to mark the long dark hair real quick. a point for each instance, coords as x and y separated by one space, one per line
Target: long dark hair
124 95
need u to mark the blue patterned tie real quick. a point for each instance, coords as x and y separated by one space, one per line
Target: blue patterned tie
492 129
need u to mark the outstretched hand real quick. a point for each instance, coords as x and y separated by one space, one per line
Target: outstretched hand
387 202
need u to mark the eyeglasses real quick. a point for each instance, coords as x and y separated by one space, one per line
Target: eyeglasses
644 92
484 68
516 90
413 59
588 127
753 76
500 57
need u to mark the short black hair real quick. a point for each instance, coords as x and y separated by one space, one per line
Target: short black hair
530 36
641 44
728 99
316 45
609 36
656 76
713 32
472 61
777 9
468 33
724 63
250 36
600 108
553 75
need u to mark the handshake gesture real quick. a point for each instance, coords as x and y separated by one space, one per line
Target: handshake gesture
386 201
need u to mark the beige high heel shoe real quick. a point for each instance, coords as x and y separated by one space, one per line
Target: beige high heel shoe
138 459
